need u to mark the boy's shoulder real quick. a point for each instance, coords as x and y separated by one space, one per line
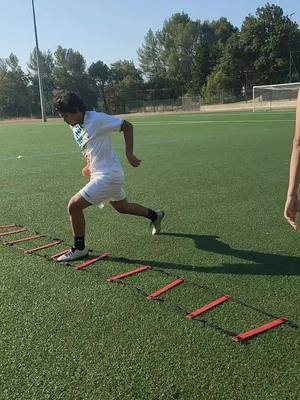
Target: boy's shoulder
93 117
97 115
100 122
101 117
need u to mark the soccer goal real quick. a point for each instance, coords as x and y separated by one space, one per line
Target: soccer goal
268 97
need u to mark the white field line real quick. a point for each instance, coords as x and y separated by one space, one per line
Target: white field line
40 155
181 140
209 122
59 121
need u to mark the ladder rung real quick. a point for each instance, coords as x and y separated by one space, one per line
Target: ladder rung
13 232
59 254
260 329
165 288
132 272
25 239
208 306
89 262
45 246
7 226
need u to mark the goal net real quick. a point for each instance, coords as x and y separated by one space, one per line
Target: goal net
268 97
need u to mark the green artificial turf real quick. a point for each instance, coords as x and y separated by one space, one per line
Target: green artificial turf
222 180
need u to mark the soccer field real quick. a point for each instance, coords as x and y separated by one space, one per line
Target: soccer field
222 181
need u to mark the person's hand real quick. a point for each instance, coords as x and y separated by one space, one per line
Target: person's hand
135 162
291 209
86 172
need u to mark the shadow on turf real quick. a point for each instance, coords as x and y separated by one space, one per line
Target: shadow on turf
261 263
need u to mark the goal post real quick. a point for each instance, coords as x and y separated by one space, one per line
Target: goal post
268 97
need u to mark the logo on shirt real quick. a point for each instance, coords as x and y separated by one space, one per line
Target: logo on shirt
81 136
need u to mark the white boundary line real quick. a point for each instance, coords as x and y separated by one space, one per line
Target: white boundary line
40 155
158 123
162 123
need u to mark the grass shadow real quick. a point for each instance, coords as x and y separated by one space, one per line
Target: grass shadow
259 263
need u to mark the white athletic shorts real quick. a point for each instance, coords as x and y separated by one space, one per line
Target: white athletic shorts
101 190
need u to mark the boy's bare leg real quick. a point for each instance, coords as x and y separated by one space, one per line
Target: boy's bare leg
75 207
77 221
155 217
124 207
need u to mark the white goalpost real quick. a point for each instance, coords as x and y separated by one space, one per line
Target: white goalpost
268 97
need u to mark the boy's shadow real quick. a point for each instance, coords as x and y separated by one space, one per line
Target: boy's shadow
259 263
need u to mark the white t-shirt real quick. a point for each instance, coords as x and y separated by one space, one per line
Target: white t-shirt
94 140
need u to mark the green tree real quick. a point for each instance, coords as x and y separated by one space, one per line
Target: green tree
267 39
101 76
184 52
14 93
125 73
70 73
258 54
209 43
46 67
232 64
149 56
127 81
177 41
69 69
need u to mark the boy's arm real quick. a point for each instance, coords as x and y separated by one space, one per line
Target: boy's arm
292 206
127 129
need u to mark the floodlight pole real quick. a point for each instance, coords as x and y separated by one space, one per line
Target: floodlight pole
291 57
38 66
290 68
292 63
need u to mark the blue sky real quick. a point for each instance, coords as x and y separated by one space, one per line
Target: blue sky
108 30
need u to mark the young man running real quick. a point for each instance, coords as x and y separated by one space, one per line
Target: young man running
92 131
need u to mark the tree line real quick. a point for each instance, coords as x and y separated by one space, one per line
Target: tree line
184 57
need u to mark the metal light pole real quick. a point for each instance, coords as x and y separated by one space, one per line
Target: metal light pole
38 66
291 57
292 63
290 68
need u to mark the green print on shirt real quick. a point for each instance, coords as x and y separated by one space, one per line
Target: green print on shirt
81 136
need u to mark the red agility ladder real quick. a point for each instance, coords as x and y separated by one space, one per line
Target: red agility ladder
7 226
13 232
165 288
11 242
85 264
59 254
208 306
132 272
45 246
260 329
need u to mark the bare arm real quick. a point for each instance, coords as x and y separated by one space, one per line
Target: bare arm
295 158
292 205
127 129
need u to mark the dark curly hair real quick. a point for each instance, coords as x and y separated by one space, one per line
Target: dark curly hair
67 102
